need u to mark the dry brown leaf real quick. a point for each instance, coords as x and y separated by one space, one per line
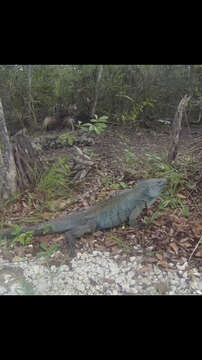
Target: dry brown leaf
149 259
110 243
156 222
85 203
199 253
57 239
180 196
197 229
159 256
146 268
174 247
174 218
25 205
171 232
163 263
185 244
161 287
184 240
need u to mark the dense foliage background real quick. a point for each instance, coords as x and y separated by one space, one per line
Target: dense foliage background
127 93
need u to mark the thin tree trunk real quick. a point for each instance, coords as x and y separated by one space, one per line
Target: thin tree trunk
29 78
8 173
30 100
176 128
29 81
100 70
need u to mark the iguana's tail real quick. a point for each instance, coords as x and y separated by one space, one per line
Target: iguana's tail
40 229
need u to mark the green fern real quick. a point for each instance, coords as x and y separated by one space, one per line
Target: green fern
56 180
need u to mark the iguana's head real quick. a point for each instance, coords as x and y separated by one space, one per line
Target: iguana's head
152 187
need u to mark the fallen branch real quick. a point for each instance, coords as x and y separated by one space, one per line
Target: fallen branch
200 241
82 164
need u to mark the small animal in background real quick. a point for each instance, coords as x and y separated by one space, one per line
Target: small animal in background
69 121
50 123
72 109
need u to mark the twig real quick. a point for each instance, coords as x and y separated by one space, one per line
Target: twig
195 248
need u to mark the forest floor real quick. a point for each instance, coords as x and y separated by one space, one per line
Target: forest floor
120 159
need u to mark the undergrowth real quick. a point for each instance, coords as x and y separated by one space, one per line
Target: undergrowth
178 177
56 181
67 139
178 181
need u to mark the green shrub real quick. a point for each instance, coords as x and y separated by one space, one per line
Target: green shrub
97 125
67 139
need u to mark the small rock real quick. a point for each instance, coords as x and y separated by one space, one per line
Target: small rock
182 267
162 287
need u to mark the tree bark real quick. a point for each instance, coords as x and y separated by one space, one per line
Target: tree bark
8 173
100 70
29 88
176 128
29 79
20 165
30 103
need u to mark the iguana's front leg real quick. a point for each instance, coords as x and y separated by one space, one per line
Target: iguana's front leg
72 235
140 205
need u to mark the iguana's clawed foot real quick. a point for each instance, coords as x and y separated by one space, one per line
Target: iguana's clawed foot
70 242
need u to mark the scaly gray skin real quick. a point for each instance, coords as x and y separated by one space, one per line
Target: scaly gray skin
124 207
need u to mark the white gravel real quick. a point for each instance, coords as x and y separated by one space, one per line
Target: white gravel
97 273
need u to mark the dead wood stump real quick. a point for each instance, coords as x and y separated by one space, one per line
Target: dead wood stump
176 128
27 160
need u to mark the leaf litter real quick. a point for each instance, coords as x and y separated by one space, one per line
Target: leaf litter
171 236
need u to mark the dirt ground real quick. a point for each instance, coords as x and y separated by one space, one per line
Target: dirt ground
171 237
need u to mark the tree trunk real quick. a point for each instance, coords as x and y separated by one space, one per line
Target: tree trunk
31 112
176 128
20 165
8 173
29 81
100 70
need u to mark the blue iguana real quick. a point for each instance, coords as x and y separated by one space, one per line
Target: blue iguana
124 207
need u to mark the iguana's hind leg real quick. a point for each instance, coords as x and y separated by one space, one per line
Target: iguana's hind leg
140 205
72 235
